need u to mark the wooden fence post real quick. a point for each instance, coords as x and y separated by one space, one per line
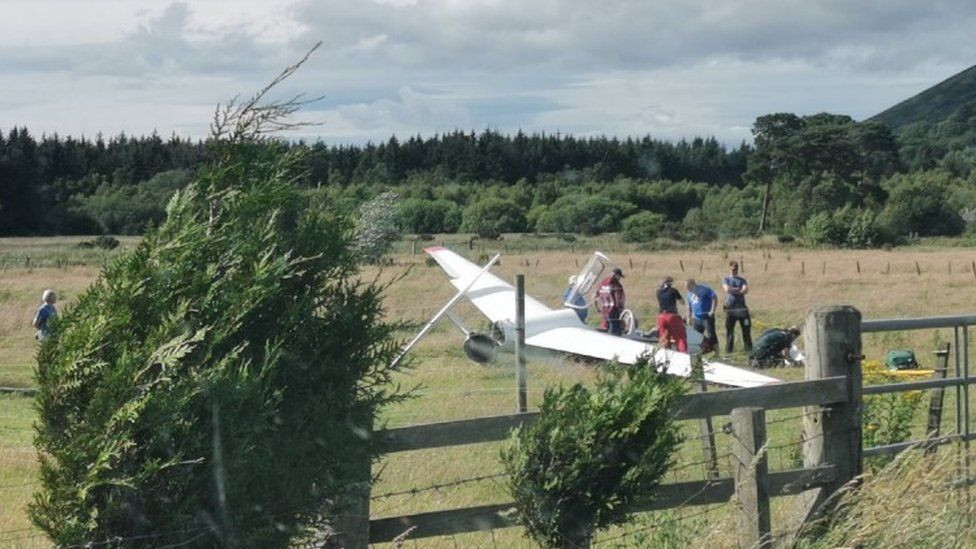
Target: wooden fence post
832 434
520 373
751 477
709 452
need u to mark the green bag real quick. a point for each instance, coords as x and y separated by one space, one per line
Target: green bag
901 359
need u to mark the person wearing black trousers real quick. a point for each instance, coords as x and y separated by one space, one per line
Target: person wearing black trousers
736 310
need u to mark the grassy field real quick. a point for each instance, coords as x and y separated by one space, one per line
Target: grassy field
785 283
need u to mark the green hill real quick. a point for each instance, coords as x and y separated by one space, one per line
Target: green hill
934 105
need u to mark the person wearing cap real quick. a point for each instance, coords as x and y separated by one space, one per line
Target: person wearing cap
772 346
702 302
610 302
735 307
670 327
44 314
574 300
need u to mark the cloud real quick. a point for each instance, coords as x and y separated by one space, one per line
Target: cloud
622 34
674 68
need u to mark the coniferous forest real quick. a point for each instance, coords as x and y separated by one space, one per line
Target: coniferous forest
824 178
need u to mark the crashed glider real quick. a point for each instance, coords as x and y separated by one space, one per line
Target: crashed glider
557 330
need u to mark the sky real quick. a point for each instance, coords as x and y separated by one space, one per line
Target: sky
672 69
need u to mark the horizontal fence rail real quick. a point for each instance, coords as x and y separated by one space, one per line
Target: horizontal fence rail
921 323
912 386
494 516
790 394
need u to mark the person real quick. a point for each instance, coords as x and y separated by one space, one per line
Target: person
702 302
772 346
610 302
735 307
44 314
668 297
670 327
578 301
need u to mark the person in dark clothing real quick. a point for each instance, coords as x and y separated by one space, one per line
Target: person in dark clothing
735 307
702 302
670 327
668 297
773 346
610 302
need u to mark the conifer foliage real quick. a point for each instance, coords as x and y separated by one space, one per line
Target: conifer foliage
592 454
216 385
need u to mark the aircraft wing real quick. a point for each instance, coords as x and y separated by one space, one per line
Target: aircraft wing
496 299
589 342
491 295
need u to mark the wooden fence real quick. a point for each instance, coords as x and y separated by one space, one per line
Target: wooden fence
832 396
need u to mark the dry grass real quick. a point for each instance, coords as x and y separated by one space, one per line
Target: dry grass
785 284
923 501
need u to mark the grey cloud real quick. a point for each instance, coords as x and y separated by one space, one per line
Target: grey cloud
506 35
158 49
601 66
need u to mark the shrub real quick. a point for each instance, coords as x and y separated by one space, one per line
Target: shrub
490 217
848 228
592 453
376 230
642 227
865 231
216 385
419 216
823 229
586 214
920 203
130 209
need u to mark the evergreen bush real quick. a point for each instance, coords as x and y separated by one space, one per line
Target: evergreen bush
216 385
592 453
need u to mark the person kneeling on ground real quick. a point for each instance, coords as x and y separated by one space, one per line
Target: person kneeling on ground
670 327
772 347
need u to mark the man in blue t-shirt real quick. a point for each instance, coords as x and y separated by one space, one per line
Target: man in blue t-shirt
702 302
44 315
735 307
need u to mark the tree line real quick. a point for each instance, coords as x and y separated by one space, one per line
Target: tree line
824 177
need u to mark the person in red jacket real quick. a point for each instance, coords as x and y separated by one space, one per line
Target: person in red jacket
610 302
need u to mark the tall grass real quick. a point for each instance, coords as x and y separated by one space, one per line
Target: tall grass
918 500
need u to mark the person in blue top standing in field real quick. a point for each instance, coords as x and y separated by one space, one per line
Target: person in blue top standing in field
735 307
44 315
702 302
578 301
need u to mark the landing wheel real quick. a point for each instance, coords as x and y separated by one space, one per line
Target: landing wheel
628 322
480 348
